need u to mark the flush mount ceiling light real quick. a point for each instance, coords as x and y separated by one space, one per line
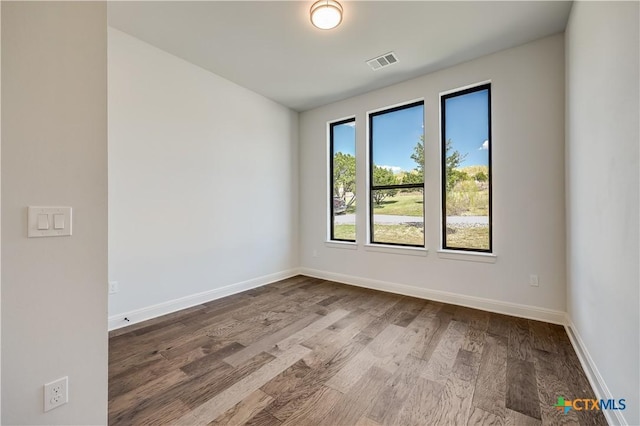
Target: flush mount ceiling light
326 14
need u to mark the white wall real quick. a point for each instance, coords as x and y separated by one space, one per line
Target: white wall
602 192
54 152
202 182
0 213
528 175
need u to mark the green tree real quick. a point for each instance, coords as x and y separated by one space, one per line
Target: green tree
383 176
412 177
418 157
344 176
481 177
453 159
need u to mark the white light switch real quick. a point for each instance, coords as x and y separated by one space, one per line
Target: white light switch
58 221
49 221
43 221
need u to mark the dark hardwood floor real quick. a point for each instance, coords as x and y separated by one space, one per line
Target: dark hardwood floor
304 351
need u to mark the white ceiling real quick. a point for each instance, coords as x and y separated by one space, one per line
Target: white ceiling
272 48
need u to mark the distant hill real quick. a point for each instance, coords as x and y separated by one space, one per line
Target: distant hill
473 170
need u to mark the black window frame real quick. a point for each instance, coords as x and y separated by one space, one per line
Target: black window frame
331 195
372 188
443 166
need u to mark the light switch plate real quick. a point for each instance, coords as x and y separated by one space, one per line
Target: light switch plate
36 212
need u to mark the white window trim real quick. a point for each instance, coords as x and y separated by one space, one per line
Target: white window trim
345 245
460 89
404 250
469 256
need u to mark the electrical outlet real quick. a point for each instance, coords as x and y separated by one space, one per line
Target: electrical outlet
533 280
56 393
113 287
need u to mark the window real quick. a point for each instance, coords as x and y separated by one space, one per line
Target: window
396 175
342 174
466 169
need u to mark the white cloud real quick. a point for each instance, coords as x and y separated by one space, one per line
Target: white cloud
485 146
394 169
350 124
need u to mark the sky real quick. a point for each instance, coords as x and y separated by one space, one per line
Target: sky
395 134
344 138
467 126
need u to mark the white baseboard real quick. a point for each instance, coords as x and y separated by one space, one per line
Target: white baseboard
154 311
600 388
514 309
149 312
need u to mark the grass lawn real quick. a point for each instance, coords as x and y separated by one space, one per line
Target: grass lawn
344 232
459 203
402 204
399 234
471 237
468 203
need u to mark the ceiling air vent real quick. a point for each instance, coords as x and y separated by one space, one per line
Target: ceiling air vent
382 61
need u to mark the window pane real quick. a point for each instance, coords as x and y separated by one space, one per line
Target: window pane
467 170
343 180
398 216
397 145
397 175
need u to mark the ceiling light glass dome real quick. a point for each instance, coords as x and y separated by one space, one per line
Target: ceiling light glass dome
326 14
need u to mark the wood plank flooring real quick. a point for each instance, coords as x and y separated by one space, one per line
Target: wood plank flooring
304 351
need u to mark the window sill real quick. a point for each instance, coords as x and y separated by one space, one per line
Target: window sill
345 245
467 256
410 251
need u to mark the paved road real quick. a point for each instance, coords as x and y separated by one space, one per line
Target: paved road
350 219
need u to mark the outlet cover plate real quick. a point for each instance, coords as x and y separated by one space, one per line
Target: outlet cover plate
56 393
